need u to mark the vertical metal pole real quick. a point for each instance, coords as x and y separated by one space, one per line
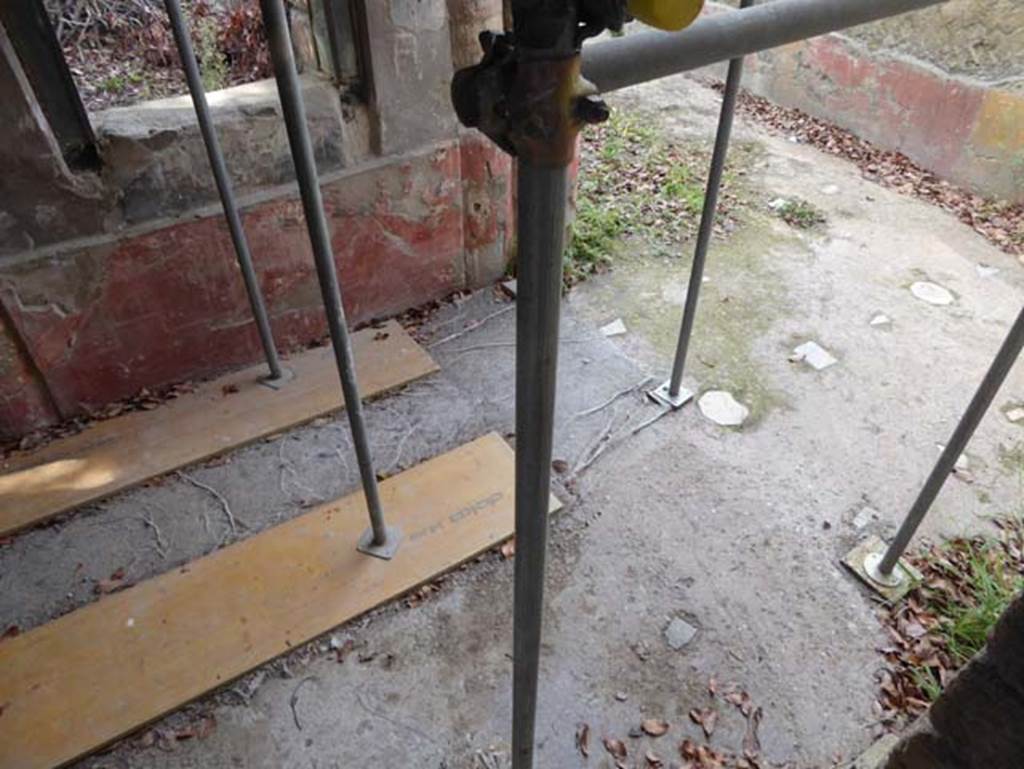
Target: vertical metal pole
379 540
227 196
542 195
671 393
994 378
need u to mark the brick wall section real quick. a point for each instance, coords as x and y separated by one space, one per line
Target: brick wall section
978 722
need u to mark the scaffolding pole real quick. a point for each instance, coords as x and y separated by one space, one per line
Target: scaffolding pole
979 405
379 540
635 59
227 195
671 393
541 227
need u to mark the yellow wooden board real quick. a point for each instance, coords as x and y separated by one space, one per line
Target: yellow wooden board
70 686
118 453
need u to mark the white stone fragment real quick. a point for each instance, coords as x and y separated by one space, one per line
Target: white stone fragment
615 328
986 270
830 189
814 355
1015 414
864 517
880 319
932 293
722 409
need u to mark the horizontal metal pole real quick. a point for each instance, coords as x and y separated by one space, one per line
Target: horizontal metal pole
635 59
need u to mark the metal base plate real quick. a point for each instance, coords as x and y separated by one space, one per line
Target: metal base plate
276 383
662 395
863 561
387 550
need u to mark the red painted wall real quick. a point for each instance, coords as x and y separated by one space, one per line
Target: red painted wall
100 321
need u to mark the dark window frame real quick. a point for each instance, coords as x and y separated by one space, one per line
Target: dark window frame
35 42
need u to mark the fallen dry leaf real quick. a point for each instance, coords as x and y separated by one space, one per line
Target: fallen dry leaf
583 739
706 719
654 727
616 748
751 742
653 760
112 584
740 700
199 730
560 466
508 548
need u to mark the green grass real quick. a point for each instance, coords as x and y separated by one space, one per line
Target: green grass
800 214
681 185
594 234
633 181
114 84
980 578
212 64
992 585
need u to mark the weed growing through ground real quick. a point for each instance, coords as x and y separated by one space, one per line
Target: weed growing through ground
634 182
946 620
799 214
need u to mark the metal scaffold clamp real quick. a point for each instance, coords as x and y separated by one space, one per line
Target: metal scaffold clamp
530 102
527 94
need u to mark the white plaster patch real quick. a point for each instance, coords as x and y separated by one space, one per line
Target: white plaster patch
932 293
615 328
986 270
814 355
722 409
1015 414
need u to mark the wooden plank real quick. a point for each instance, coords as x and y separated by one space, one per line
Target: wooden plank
75 684
118 453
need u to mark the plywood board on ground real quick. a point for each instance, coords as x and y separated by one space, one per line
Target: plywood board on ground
223 414
70 686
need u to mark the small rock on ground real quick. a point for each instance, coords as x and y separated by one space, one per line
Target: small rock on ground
1015 414
814 355
986 271
615 328
932 293
864 517
880 319
722 409
679 633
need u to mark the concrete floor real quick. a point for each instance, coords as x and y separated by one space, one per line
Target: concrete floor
737 531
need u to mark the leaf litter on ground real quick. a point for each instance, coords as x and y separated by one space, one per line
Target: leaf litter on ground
967 583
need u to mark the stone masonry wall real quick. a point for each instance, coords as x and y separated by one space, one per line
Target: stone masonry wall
976 723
